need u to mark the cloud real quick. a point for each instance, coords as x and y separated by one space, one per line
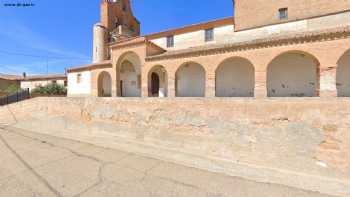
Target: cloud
16 69
30 40
34 67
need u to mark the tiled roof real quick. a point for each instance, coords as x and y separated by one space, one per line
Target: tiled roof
10 77
44 77
128 41
135 41
32 77
107 63
193 27
232 46
189 28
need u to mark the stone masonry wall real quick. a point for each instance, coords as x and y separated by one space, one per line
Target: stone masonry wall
309 129
307 136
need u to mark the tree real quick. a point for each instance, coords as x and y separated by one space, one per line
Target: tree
50 89
13 88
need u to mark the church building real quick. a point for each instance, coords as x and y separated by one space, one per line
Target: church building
268 48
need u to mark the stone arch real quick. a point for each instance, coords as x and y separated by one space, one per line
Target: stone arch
235 77
158 82
190 80
104 84
343 75
293 74
129 74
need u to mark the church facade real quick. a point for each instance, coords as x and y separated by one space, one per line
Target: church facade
268 49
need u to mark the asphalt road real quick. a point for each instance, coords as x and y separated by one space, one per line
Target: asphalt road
38 165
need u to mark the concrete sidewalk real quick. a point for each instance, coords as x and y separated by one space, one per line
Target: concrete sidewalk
39 165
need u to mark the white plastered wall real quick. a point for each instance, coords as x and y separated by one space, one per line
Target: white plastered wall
292 75
37 83
343 75
235 78
196 38
225 34
79 89
190 81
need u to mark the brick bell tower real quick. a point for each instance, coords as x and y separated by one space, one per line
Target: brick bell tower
117 23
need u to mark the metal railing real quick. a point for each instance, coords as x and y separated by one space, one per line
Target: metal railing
15 97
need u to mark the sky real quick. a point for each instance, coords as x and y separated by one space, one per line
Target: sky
53 35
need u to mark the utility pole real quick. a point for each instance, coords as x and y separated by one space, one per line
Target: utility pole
47 68
47 64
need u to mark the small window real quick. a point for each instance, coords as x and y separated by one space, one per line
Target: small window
54 82
65 83
283 13
170 41
209 35
78 78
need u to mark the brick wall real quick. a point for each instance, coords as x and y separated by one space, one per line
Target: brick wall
327 53
119 12
254 13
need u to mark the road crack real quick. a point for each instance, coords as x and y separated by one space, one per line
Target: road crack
32 170
102 164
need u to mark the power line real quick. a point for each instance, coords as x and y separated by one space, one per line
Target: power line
11 66
39 56
9 69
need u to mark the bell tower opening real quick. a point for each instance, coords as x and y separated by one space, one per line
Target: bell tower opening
117 17
117 23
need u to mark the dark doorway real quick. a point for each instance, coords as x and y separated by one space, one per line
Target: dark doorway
121 88
155 84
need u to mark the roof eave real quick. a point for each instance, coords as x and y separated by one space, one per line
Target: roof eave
105 64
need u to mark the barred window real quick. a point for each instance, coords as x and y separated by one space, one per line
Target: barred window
283 13
209 35
78 77
170 41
